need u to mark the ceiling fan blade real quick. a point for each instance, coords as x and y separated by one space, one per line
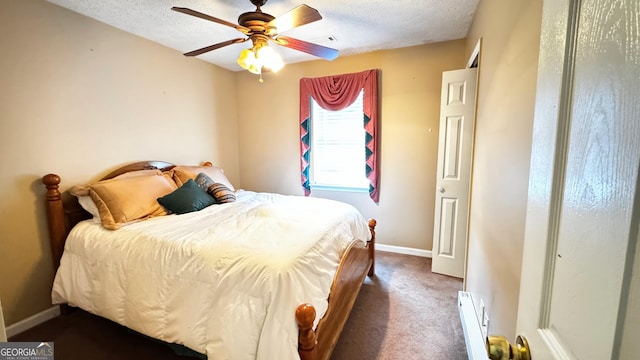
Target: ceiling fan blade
309 48
215 46
298 16
187 11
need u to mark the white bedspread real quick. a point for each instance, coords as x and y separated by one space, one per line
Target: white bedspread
224 281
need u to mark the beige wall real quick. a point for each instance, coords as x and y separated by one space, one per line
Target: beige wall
78 98
510 32
410 81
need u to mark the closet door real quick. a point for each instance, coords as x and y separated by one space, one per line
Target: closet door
457 120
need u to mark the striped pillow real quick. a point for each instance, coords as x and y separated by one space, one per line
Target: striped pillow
221 193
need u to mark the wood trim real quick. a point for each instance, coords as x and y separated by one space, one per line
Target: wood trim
474 58
140 165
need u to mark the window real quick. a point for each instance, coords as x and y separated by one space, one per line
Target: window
338 158
340 165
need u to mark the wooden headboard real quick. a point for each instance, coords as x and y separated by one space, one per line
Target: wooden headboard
64 213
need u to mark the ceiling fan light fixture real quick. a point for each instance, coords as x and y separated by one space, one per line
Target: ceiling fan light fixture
259 56
246 59
255 68
269 58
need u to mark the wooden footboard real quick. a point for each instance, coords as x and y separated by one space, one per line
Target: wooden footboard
357 262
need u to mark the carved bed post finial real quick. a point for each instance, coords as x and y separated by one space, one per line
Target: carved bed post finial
305 315
55 212
52 182
372 246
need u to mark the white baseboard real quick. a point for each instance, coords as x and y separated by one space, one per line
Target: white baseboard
403 250
33 321
473 338
3 332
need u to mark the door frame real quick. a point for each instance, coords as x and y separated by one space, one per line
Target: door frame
474 59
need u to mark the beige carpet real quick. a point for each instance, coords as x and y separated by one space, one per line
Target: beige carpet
405 312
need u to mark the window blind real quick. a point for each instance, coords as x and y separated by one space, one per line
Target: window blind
338 156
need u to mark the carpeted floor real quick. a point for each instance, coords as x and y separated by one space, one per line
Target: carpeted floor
405 312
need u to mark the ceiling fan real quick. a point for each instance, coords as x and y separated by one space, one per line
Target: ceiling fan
261 28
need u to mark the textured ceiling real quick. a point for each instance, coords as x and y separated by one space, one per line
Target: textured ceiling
357 26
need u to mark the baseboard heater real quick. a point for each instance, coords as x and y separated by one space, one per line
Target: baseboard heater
476 344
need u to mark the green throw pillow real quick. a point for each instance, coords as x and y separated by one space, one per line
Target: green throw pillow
187 198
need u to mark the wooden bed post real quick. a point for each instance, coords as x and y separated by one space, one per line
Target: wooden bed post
372 246
305 316
57 224
55 215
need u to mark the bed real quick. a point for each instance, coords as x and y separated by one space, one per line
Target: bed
260 276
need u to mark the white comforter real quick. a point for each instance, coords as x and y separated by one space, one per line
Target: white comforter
224 281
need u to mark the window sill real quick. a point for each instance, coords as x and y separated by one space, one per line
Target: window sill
339 188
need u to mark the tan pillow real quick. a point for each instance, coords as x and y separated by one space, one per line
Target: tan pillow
79 190
83 190
183 173
149 172
127 199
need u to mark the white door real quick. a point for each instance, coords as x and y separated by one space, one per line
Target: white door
457 119
579 288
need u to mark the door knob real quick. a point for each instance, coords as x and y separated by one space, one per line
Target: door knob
498 348
442 190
